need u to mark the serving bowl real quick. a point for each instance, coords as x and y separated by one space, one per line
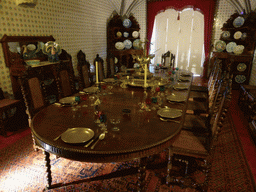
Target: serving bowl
32 62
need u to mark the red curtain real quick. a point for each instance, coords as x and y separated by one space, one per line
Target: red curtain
205 6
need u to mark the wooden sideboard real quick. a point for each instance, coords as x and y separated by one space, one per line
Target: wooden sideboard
13 48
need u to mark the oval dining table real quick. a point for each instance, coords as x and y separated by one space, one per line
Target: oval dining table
142 133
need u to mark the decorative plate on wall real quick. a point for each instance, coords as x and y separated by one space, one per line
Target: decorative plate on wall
240 78
230 47
119 34
126 34
137 44
239 49
135 34
119 45
127 23
225 34
220 46
238 22
238 35
127 44
241 67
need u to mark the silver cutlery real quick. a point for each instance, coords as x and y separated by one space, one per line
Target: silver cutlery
169 120
59 136
101 137
88 144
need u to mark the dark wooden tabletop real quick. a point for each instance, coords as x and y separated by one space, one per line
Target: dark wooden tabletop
141 133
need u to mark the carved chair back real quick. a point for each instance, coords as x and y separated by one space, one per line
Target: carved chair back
33 91
83 68
111 66
65 79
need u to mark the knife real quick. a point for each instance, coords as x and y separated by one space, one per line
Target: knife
95 138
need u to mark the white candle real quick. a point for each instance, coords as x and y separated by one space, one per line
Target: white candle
97 72
145 75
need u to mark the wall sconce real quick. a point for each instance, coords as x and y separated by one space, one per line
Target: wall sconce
26 3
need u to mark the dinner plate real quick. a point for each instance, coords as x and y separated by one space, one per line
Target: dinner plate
127 44
67 100
77 135
185 74
184 79
109 80
230 47
91 89
220 46
176 97
169 112
119 45
241 67
238 22
180 86
240 78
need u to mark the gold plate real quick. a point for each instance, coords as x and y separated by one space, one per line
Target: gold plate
176 98
77 135
169 112
180 86
68 100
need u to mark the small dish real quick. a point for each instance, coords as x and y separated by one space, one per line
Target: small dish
244 35
241 67
119 45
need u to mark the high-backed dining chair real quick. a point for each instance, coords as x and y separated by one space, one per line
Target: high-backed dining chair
111 69
100 67
193 147
83 68
12 114
34 93
64 76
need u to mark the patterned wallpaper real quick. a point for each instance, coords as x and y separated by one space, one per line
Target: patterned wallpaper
76 25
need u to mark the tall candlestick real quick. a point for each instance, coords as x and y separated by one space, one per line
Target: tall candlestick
145 75
97 72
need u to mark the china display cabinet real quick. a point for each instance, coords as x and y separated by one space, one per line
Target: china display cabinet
18 50
236 47
123 40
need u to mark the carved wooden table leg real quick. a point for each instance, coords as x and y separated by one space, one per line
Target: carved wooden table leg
48 170
142 174
169 179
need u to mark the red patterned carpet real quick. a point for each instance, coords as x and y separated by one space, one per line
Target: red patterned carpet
22 169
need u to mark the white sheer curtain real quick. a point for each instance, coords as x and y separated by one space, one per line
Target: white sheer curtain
181 33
